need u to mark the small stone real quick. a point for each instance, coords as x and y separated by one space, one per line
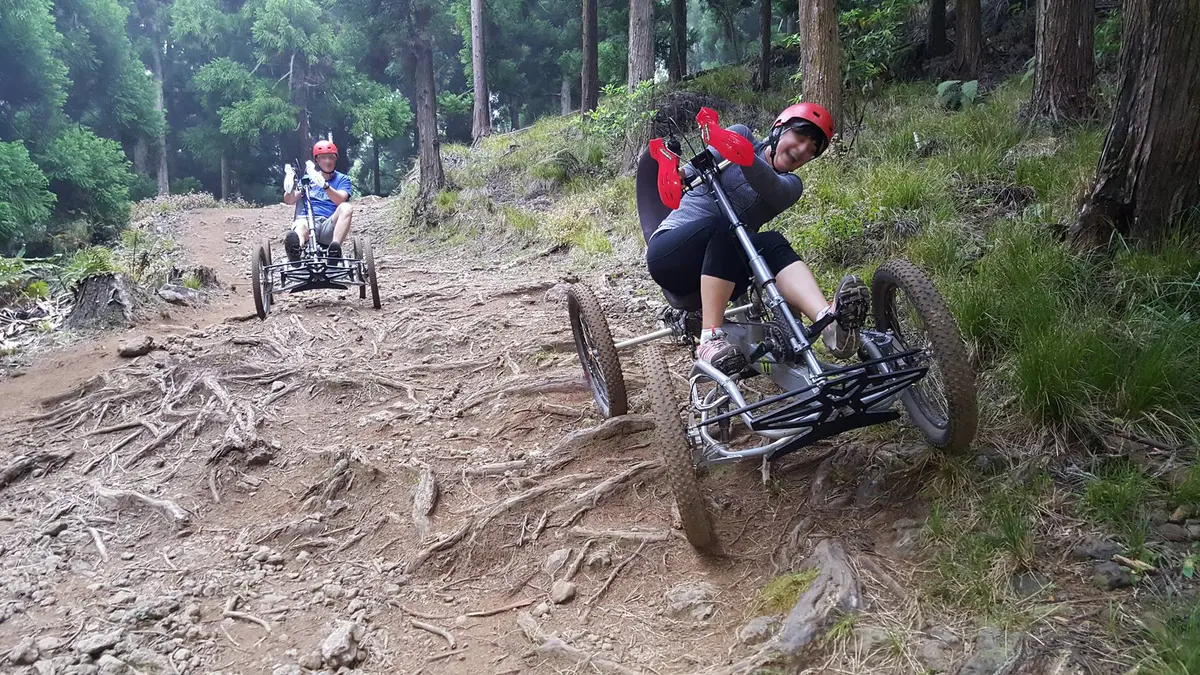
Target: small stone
556 560
127 555
302 556
1193 529
181 654
1181 514
95 644
332 591
44 667
870 638
54 529
1173 532
935 655
758 630
992 651
180 295
122 597
311 661
25 653
277 386
562 592
341 647
1110 576
49 644
541 609
1029 584
136 347
260 457
1159 516
261 554
1095 548
111 665
691 602
291 669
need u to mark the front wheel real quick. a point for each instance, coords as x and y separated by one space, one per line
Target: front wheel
369 267
942 404
260 279
597 353
676 453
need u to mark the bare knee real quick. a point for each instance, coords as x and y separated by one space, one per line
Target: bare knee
345 209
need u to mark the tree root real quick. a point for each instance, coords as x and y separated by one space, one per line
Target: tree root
553 647
169 509
436 630
231 613
23 464
424 500
569 447
588 500
156 443
528 386
613 575
631 535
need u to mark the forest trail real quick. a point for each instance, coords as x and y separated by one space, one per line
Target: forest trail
360 481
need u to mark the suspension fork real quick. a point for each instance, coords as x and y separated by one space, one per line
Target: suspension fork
766 279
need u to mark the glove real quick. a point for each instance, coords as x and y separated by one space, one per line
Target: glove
315 176
289 179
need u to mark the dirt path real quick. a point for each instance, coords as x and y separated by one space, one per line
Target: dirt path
285 469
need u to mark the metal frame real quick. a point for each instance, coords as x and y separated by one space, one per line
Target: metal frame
819 400
315 269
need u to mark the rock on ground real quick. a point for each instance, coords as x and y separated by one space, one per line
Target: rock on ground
341 647
136 347
94 645
562 592
1110 576
758 630
691 602
25 653
994 653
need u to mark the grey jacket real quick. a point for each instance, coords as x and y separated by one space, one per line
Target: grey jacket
758 193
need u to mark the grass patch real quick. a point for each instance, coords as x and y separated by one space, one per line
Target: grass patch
1173 643
192 281
1118 497
780 594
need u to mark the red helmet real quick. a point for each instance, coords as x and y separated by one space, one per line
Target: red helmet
798 115
324 148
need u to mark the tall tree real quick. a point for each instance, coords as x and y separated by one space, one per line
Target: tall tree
935 41
152 19
641 42
429 147
677 59
1064 65
764 47
481 124
589 95
821 60
1147 175
968 38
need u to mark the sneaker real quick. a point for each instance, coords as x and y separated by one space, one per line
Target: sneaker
722 355
335 252
291 245
850 304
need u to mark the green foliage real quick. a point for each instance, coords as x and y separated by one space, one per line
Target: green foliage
956 94
25 203
872 41
90 176
385 114
1107 40
619 111
192 281
86 262
32 76
1174 642
782 592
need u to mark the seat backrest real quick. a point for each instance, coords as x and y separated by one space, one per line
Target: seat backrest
651 210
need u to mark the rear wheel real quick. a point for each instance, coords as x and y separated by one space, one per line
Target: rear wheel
260 279
942 404
368 257
676 452
597 353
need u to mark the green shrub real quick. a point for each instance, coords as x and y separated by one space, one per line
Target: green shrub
25 203
88 261
186 185
90 176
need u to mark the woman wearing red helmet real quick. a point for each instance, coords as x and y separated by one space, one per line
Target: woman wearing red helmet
330 196
694 249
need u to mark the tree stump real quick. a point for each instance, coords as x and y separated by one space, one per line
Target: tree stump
102 301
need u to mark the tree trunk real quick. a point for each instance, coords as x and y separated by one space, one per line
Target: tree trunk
432 177
164 183
514 115
375 164
935 42
589 90
968 38
481 125
1064 66
1147 174
103 300
224 176
300 100
641 42
141 156
764 45
821 60
564 96
677 63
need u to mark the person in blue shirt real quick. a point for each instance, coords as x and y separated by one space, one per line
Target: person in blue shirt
330 193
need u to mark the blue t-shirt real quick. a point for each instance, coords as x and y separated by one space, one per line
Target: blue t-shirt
323 206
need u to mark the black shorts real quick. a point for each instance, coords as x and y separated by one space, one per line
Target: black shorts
679 256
